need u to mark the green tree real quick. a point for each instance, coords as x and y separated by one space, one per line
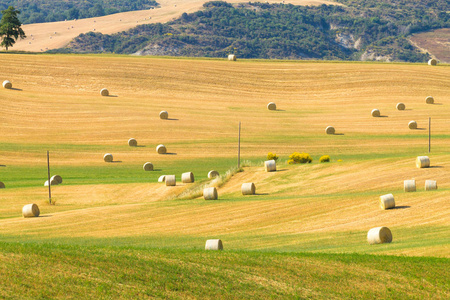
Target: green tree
10 29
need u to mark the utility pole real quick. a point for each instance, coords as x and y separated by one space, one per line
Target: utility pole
49 183
239 147
429 134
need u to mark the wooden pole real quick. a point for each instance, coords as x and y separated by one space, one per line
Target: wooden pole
429 135
49 183
239 147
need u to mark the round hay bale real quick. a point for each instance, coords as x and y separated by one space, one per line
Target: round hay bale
30 210
214 245
270 165
148 166
2 185
432 62
429 100
132 142
7 84
164 115
171 180
422 162
104 92
379 235
212 174
330 130
409 185
108 157
232 57
412 125
430 185
161 149
375 113
248 188
187 177
400 106
210 193
58 178
162 178
387 201
271 106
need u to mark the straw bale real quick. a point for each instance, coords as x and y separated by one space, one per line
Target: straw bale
161 149
412 125
2 185
212 174
430 185
379 235
108 157
409 185
132 142
30 210
164 115
210 193
270 165
400 106
148 166
432 62
232 57
187 177
376 113
387 201
214 245
330 130
429 100
248 188
162 178
271 106
7 84
171 180
57 178
104 92
422 162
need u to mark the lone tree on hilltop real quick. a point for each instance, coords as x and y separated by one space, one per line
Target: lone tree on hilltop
10 28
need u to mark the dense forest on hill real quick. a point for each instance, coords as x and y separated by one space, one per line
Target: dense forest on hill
40 11
361 30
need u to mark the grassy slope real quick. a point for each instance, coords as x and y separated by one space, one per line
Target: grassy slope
107 208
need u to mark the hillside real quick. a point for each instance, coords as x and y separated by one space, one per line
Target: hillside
53 35
113 231
436 42
39 11
359 31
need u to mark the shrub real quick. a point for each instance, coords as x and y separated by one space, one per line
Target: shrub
271 156
325 158
299 158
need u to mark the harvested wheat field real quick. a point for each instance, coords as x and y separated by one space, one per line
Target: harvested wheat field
316 207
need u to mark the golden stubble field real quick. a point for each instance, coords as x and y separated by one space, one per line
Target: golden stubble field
56 103
46 36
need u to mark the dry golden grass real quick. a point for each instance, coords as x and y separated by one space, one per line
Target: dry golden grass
42 37
56 102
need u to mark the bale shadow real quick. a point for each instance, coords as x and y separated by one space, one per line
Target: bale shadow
116 161
157 170
2 165
408 109
280 109
435 167
112 96
339 134
420 129
170 153
46 216
402 207
16 89
282 170
261 194
172 119
383 116
141 146
438 104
